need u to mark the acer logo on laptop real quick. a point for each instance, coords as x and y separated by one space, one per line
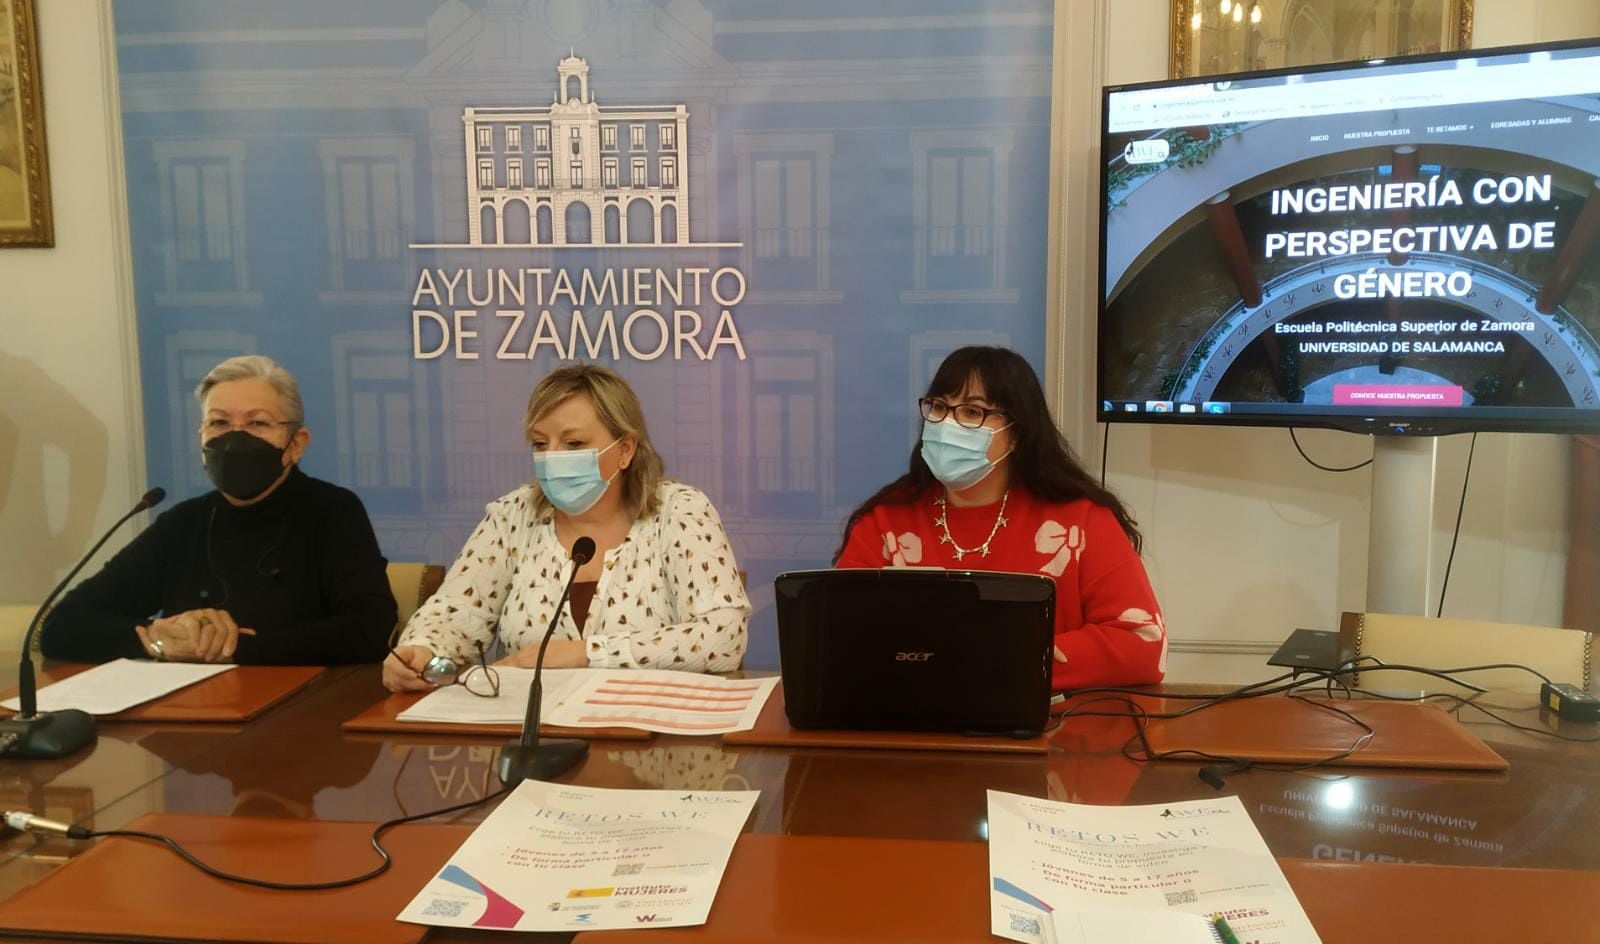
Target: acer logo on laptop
912 656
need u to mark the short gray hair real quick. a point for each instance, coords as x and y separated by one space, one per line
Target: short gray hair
257 367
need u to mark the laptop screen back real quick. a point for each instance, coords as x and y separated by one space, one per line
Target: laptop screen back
929 650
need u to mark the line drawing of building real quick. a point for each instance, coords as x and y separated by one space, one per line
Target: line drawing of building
300 233
575 172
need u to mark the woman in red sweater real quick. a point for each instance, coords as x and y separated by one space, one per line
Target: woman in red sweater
994 486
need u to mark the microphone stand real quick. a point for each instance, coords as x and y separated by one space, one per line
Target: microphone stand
30 732
529 757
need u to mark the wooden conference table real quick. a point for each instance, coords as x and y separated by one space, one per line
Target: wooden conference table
296 762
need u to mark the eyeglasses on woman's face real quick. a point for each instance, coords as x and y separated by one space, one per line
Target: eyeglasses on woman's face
259 426
970 415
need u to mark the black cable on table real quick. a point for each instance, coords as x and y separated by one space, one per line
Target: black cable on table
1289 684
377 845
1272 687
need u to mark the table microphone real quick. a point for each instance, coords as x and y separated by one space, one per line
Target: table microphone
528 758
31 733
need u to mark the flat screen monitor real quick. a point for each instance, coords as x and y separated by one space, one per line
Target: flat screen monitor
1401 246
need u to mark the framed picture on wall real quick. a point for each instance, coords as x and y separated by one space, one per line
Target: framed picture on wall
1212 37
25 218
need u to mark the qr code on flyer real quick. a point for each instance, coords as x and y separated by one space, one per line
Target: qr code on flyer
1022 924
444 908
1185 897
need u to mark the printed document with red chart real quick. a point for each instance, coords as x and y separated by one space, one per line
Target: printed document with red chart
662 701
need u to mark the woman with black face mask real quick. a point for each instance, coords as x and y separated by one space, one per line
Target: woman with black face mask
274 567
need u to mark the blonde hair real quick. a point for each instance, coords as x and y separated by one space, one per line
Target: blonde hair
257 367
622 415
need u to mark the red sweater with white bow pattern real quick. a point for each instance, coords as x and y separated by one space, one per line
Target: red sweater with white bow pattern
1109 629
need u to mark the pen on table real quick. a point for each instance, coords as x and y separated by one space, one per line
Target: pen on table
1224 933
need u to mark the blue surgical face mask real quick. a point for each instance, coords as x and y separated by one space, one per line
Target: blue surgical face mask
571 479
957 455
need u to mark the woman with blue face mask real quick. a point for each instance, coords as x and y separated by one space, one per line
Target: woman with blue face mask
994 486
662 590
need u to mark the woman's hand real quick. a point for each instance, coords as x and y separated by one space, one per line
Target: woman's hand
561 654
194 636
402 669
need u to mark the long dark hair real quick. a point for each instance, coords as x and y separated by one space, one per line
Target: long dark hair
1041 459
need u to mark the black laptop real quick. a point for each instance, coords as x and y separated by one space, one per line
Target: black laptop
916 650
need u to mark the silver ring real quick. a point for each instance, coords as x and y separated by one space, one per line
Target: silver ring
160 648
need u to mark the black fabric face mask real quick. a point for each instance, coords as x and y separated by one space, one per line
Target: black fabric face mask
241 465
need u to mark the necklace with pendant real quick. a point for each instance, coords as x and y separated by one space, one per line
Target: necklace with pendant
941 518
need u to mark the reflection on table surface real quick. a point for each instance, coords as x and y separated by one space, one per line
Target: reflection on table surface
296 762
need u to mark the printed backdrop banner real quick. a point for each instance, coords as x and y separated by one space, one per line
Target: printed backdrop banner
774 218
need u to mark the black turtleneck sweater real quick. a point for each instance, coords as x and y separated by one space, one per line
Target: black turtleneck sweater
301 568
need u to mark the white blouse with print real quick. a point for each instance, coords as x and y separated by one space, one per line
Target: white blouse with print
669 596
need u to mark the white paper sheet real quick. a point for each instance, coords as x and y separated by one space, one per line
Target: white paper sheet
119 685
453 704
651 699
554 857
1134 927
1135 874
